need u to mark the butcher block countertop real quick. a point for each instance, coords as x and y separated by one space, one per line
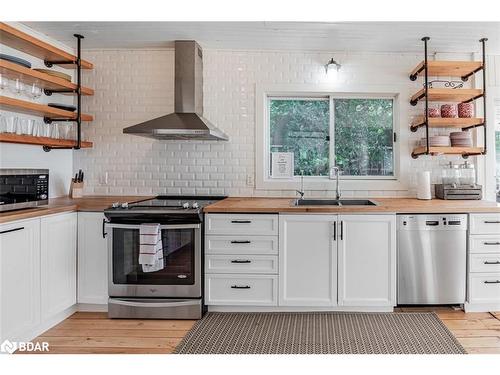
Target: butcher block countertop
385 205
66 204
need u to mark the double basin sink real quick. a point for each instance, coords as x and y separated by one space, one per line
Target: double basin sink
334 202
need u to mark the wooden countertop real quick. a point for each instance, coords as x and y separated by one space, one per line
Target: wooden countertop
262 205
385 205
66 204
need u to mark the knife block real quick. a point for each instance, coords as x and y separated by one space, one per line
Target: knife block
76 189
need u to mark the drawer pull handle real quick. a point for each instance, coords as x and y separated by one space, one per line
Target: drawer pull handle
241 261
247 286
492 221
495 262
11 230
492 282
241 241
241 221
492 243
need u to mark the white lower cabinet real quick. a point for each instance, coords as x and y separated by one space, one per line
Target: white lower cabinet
92 259
367 260
308 260
344 260
58 263
37 274
483 289
19 279
241 260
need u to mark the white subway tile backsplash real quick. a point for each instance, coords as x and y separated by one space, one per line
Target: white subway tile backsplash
136 85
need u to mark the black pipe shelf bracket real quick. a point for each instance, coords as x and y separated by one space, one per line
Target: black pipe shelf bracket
427 85
77 91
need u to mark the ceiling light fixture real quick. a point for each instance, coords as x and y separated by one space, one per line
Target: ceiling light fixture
332 65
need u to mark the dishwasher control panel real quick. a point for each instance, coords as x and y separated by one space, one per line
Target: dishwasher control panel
432 222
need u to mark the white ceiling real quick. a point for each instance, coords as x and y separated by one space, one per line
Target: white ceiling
348 36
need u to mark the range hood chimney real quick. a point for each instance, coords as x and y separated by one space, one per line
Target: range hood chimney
187 122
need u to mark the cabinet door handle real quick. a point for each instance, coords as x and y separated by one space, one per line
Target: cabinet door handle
11 230
495 262
241 261
103 228
492 243
241 221
492 282
246 241
243 286
342 230
492 221
335 231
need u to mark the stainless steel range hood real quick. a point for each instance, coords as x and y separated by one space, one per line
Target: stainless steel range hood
187 122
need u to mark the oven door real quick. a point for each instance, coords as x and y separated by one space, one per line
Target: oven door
180 276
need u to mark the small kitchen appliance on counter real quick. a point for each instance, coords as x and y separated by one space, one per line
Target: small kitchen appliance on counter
23 188
175 290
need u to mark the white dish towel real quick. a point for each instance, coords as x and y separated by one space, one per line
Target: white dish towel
151 248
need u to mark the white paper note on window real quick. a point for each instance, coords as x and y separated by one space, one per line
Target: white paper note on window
282 164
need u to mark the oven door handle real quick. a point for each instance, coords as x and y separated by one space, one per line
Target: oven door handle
153 304
135 226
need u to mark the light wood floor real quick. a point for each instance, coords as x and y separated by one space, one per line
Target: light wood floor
88 333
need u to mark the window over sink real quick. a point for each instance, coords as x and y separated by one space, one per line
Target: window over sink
313 130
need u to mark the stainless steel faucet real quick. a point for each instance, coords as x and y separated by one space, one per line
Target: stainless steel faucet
337 174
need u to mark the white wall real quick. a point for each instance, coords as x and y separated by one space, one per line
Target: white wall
136 85
59 162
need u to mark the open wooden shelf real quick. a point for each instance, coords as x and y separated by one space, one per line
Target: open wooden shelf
448 150
448 68
42 80
42 141
36 109
447 95
24 42
442 122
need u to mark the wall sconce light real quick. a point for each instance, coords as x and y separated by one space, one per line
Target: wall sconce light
332 66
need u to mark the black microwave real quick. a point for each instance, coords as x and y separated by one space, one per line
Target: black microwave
23 188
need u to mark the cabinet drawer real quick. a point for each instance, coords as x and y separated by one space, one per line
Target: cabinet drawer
485 262
258 290
236 224
241 245
484 287
241 264
484 244
485 224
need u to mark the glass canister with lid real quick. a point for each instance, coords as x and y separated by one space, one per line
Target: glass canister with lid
467 174
451 174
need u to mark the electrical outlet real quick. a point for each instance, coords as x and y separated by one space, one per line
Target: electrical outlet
250 180
103 178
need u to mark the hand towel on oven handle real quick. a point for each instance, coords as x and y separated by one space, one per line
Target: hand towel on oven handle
150 248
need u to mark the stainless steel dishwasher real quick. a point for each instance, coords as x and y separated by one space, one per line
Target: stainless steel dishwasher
432 259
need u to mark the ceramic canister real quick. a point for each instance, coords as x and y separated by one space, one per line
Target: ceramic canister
448 110
433 112
465 110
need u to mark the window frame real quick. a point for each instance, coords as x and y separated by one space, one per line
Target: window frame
264 93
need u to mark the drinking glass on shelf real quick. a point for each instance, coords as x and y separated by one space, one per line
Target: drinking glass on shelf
37 130
54 130
4 82
46 130
3 123
17 86
18 125
11 124
33 91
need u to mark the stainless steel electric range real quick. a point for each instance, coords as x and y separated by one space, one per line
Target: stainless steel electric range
173 292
